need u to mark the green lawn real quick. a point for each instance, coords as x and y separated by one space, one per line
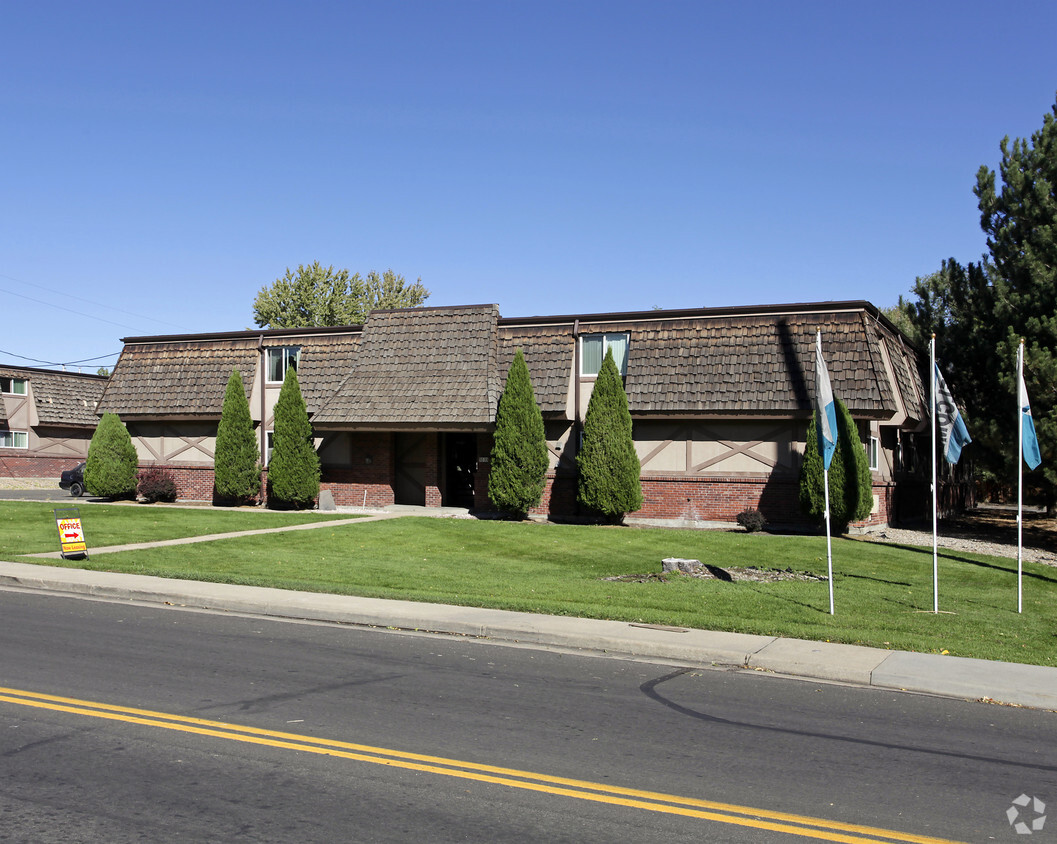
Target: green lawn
28 527
883 592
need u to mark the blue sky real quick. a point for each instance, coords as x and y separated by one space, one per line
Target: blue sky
164 161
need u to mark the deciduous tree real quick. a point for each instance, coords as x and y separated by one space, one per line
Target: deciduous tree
317 296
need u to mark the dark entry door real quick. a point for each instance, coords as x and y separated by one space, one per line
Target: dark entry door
460 460
410 467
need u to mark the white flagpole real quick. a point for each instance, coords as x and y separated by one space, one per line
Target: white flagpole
829 546
1020 480
935 543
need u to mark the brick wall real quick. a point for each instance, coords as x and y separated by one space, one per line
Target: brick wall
15 463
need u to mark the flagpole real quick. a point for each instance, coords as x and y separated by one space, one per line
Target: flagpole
829 544
935 543
1020 480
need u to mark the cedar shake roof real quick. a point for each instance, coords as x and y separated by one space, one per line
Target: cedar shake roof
445 367
549 355
188 375
64 399
421 366
729 361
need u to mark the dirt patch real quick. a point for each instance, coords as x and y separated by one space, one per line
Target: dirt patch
728 575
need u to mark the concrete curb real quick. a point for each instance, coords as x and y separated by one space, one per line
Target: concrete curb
956 677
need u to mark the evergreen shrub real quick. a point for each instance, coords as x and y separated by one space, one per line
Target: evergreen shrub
850 482
519 454
110 470
237 468
609 466
293 472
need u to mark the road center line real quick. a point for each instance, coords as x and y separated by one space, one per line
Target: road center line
792 824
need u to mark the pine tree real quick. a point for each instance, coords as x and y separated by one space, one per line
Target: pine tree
609 466
519 455
236 464
850 482
110 471
293 473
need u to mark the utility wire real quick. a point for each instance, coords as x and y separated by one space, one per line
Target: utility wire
56 363
82 299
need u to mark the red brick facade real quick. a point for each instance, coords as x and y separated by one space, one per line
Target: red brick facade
15 463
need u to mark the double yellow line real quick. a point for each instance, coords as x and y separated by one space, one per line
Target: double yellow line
806 827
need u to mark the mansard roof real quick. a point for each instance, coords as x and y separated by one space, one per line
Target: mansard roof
187 375
421 367
60 398
444 367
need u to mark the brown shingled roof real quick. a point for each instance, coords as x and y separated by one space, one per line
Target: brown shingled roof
60 398
421 366
187 376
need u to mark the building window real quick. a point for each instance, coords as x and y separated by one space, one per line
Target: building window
268 435
13 386
281 359
873 450
593 348
14 439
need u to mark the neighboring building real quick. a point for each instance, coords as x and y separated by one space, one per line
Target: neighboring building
404 406
47 419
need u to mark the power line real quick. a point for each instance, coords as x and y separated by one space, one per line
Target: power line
86 301
56 363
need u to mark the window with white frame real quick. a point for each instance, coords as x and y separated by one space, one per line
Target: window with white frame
593 348
13 386
14 439
278 360
873 451
268 446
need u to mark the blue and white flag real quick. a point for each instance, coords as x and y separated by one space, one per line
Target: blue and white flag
953 433
825 408
1029 442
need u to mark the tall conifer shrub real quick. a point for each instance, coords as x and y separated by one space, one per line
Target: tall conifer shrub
519 455
609 466
293 472
850 483
237 468
110 470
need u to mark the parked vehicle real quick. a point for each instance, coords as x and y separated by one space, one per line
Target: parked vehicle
73 480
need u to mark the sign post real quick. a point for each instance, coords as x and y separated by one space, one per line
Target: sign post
71 535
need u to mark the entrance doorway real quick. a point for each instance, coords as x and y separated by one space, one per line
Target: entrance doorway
409 451
460 461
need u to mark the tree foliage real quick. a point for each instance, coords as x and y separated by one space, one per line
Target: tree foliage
519 455
237 469
110 470
293 472
318 296
850 483
980 312
609 480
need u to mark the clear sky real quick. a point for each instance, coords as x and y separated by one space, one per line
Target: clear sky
161 162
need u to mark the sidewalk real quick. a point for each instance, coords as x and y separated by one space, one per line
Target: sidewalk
956 677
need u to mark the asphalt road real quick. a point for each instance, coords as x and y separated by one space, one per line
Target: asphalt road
190 726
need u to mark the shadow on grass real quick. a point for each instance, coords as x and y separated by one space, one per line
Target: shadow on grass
1008 569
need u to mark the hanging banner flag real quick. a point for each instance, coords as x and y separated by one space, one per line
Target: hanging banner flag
1029 442
953 433
825 408
71 533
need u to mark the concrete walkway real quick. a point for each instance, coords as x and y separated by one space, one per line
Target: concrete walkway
973 679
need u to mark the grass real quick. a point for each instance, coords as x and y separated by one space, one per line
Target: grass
29 527
883 592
